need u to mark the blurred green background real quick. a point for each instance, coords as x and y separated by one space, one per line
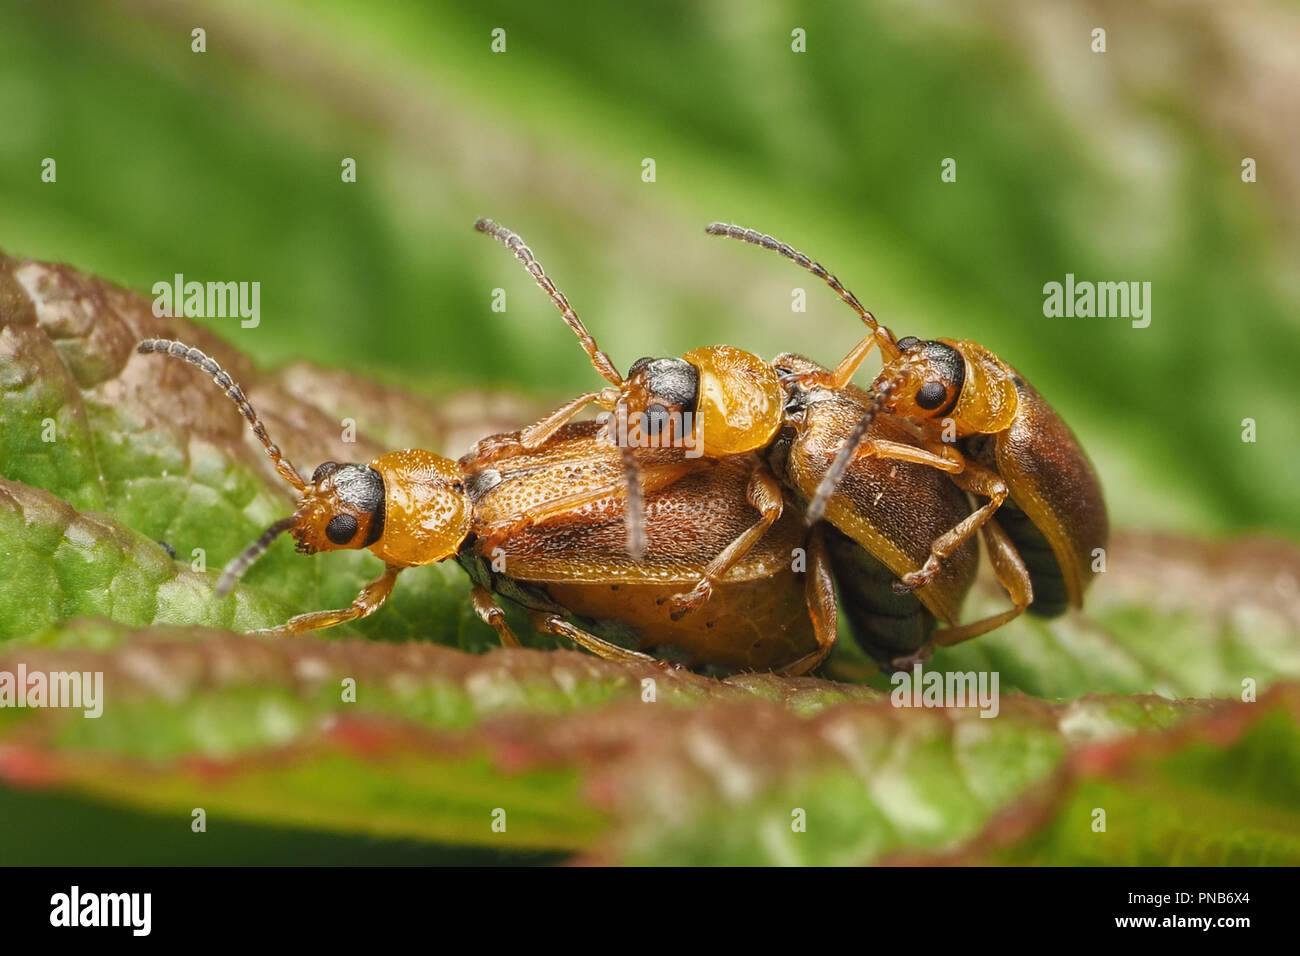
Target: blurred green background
1116 166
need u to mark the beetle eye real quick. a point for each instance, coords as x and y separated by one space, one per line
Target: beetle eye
908 341
656 419
324 470
341 529
931 395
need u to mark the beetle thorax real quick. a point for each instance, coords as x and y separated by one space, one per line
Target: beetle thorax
427 511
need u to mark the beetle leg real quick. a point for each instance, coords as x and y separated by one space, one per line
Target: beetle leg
819 591
371 598
538 433
841 375
549 623
946 459
978 480
1014 576
764 493
652 478
495 448
490 613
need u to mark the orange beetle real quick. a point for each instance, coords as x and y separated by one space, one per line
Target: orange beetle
977 419
559 513
713 403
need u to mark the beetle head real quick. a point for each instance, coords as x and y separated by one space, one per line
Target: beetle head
342 508
415 498
927 379
664 392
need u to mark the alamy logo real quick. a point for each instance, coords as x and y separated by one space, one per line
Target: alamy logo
209 300
1103 300
134 910
663 429
75 689
917 688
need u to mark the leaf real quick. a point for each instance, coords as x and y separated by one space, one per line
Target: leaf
437 740
568 746
63 564
241 724
153 444
1219 791
1171 615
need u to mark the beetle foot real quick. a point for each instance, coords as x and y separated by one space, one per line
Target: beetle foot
496 447
806 380
917 579
680 605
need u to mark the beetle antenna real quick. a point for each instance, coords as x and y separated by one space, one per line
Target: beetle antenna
830 481
634 516
883 336
511 240
236 568
233 392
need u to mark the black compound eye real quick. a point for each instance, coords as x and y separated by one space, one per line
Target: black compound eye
341 529
324 470
908 341
931 395
656 420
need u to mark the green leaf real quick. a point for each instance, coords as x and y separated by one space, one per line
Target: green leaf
438 741
162 457
577 752
1220 791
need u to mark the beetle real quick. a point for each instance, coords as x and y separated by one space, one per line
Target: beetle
977 419
768 613
742 404
713 402
885 516
559 509
880 521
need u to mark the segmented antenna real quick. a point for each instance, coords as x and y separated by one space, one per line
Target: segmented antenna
884 338
599 360
831 479
236 568
233 392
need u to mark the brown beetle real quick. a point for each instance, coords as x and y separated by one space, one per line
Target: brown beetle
975 418
723 401
713 402
559 508
886 514
768 613
880 520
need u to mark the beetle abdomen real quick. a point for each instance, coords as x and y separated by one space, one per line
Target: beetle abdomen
1051 596
886 624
